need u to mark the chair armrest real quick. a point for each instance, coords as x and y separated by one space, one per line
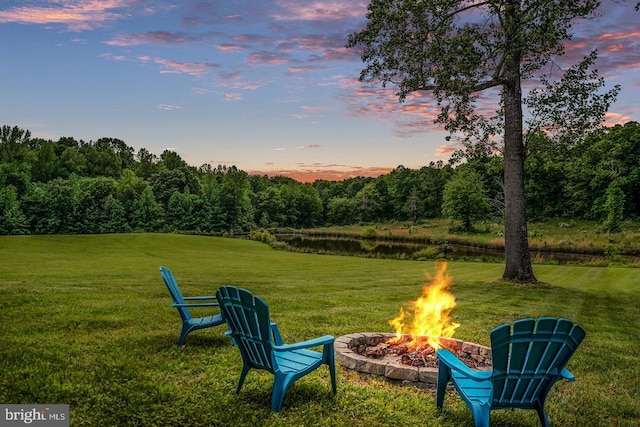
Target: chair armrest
199 298
201 304
567 375
277 338
452 362
229 334
324 340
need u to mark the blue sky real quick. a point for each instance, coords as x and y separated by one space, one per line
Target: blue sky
264 85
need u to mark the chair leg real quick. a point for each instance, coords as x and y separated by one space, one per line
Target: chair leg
480 415
443 380
243 375
183 334
332 369
280 386
332 372
542 416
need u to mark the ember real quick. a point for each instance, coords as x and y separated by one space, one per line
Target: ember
423 356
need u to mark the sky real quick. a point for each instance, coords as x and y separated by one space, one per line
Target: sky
265 85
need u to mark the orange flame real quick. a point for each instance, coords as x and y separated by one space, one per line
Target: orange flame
430 313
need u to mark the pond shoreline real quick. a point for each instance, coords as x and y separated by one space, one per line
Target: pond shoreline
382 247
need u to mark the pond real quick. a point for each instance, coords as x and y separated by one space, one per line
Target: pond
409 250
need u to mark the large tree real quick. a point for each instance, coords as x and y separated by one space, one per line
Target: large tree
459 48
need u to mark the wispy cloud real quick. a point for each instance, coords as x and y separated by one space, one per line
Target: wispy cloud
266 57
169 107
319 10
169 66
317 107
612 119
230 47
137 39
446 150
76 15
161 37
304 69
229 96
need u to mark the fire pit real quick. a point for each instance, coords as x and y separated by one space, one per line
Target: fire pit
365 353
409 355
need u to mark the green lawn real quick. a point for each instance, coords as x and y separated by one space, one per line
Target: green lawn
87 321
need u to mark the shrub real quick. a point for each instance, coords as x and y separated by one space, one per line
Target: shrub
614 206
263 236
368 233
430 252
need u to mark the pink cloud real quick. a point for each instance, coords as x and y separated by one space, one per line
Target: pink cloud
217 13
445 150
147 38
233 80
303 69
76 15
175 67
320 10
264 57
620 36
616 37
229 96
228 47
160 37
614 118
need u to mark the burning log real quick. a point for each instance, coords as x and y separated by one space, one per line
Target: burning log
422 356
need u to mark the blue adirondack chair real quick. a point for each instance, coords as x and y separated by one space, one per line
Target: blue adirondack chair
190 323
261 346
526 361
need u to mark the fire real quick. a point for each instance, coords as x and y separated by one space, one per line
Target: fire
430 313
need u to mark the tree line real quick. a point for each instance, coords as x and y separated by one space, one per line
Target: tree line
105 186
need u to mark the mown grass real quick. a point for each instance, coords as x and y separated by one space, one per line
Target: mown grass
86 320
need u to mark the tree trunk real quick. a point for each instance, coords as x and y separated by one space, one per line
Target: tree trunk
516 242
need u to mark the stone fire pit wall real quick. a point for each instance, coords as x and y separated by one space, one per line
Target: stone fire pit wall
423 377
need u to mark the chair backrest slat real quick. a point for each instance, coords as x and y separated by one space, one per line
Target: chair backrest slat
249 322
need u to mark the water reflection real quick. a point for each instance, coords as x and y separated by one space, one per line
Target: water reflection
407 250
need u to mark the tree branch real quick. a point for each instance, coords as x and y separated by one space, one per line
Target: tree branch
477 88
458 11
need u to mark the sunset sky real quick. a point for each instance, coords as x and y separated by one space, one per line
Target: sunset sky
266 85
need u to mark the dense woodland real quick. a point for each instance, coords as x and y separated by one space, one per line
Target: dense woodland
105 186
